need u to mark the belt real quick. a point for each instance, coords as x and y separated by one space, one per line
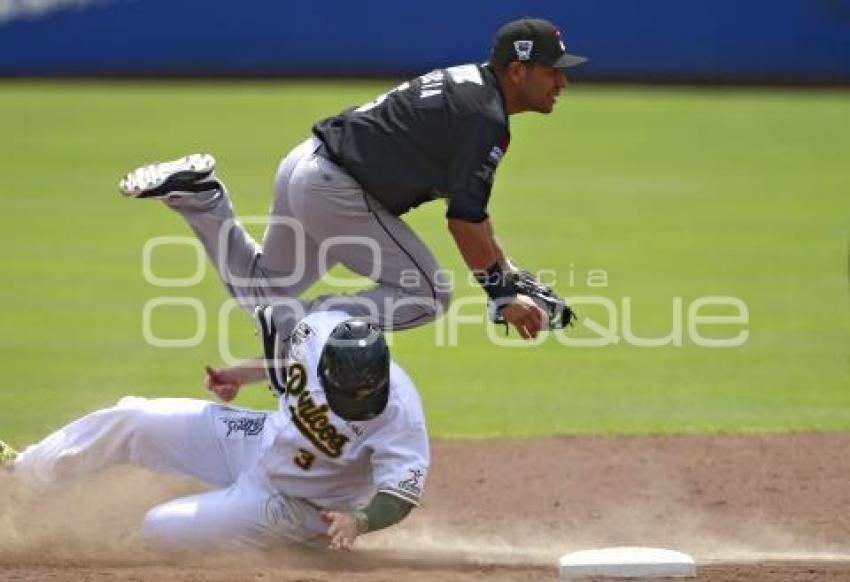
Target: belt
323 152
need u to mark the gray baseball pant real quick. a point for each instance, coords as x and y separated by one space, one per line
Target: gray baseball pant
320 217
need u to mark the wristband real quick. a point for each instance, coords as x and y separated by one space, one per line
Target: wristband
383 511
497 283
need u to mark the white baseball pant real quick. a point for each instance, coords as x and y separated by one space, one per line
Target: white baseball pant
216 444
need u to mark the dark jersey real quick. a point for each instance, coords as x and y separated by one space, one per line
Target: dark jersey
441 135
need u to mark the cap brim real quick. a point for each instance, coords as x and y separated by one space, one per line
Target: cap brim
568 60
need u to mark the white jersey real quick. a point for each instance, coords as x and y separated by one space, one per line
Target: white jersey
334 463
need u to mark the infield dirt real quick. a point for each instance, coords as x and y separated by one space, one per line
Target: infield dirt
757 508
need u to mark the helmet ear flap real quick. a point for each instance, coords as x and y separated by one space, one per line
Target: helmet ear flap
354 369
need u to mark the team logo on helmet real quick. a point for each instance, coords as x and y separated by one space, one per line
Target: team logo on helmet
523 49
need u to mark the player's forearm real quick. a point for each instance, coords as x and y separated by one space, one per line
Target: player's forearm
476 243
383 511
248 372
505 260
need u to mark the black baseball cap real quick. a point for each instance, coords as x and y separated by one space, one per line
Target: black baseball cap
532 40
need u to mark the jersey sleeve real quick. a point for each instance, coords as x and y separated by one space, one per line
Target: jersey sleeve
481 144
400 462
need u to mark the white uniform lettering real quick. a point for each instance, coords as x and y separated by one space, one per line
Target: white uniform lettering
432 84
395 444
465 74
381 98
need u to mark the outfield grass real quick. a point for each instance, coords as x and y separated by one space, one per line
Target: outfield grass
672 193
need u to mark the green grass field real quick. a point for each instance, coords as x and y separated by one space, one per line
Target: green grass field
669 192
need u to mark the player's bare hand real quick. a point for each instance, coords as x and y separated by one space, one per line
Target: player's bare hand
222 384
342 529
526 316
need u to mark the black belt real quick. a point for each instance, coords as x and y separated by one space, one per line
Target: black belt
323 152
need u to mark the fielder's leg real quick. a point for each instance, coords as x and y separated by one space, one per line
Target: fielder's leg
353 229
189 186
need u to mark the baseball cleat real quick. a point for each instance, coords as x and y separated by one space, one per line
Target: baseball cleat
7 455
176 179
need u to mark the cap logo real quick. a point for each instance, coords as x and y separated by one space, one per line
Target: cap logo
523 49
560 40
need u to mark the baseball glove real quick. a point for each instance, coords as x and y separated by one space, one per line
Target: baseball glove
559 314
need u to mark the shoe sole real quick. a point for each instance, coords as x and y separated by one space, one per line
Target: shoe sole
173 179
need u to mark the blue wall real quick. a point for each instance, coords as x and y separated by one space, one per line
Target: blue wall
746 40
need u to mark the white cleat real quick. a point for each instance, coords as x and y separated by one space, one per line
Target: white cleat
176 179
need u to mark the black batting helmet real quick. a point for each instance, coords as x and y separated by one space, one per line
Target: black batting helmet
354 370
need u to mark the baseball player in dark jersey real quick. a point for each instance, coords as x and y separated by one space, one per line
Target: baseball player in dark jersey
339 196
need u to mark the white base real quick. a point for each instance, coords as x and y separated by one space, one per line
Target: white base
629 562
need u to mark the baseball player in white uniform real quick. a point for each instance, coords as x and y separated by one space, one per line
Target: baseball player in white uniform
346 453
